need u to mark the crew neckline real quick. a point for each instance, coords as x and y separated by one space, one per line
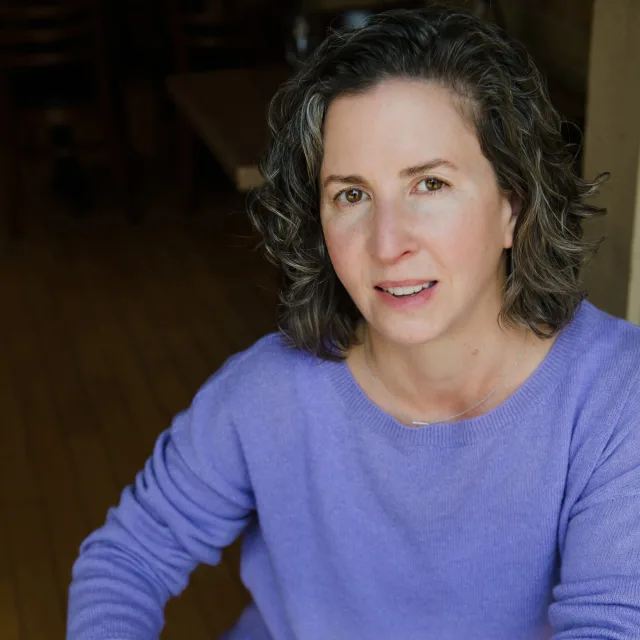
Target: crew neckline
513 410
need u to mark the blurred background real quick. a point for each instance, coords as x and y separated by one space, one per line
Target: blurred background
130 135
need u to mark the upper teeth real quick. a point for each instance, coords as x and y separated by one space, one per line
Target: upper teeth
405 291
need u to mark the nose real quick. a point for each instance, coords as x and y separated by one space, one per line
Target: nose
392 235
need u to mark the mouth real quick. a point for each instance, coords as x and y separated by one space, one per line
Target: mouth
408 291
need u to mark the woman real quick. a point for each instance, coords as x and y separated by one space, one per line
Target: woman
443 440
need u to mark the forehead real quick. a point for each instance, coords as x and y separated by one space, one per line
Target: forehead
397 121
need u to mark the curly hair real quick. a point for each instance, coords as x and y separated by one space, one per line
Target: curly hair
519 133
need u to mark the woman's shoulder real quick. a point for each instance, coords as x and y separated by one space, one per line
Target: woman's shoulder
272 353
259 391
601 358
266 368
603 379
607 339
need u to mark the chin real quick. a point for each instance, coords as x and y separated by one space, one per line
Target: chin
409 332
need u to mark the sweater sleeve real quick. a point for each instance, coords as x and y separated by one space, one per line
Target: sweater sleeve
192 498
598 595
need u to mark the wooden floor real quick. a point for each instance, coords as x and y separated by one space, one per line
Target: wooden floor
106 331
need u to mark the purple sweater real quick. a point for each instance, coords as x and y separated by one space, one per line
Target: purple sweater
521 524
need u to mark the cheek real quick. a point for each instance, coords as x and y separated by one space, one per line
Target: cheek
451 222
342 241
458 247
463 236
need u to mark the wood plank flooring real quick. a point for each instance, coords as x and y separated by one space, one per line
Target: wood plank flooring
106 331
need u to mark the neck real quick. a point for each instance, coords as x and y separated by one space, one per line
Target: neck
441 378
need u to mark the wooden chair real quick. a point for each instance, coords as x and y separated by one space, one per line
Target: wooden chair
215 34
208 34
42 46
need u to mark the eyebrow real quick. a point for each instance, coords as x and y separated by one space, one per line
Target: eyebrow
409 172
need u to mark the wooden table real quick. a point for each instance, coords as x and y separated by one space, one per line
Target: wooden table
228 108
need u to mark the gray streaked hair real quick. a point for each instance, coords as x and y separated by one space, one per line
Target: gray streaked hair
504 95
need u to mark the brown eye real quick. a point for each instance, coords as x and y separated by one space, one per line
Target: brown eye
433 184
430 185
353 195
350 196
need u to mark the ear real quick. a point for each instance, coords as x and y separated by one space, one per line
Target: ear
513 205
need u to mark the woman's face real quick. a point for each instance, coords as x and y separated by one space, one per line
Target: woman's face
413 219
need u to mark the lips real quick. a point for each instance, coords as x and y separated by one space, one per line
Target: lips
390 284
408 298
406 288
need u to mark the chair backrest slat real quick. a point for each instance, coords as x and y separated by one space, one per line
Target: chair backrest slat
41 33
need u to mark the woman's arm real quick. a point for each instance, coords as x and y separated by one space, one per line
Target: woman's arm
192 498
599 591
